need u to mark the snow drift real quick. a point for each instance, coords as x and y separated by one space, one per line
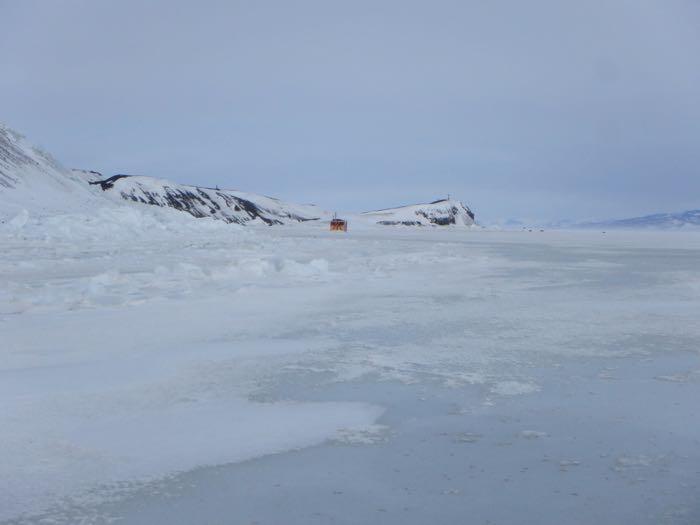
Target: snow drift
442 212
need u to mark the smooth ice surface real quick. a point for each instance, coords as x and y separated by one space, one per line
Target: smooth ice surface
548 375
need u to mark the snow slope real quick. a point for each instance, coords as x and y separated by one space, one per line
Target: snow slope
31 181
438 213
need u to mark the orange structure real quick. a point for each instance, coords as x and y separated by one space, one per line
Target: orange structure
338 225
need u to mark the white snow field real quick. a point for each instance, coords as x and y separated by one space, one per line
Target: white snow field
156 368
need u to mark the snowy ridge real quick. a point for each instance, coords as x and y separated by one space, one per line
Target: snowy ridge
442 212
226 205
30 179
687 219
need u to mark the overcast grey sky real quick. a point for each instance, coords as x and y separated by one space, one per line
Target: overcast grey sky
538 109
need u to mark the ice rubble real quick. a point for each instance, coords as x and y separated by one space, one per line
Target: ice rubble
126 334
124 358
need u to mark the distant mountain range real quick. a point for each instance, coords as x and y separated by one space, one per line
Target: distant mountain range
685 219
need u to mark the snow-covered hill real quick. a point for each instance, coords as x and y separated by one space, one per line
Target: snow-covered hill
226 205
686 219
442 212
30 179
34 184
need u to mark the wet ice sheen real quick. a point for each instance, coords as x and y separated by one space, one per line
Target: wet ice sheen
545 375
